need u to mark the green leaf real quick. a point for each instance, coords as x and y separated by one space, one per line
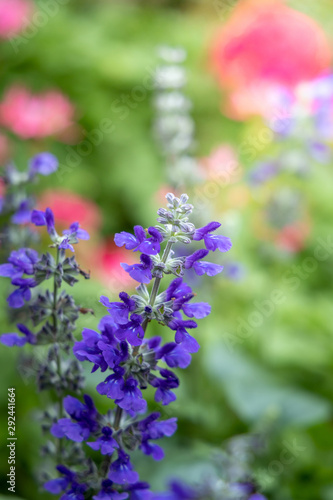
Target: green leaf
253 392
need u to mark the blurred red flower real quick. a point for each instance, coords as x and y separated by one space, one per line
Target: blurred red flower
34 116
69 207
267 43
15 15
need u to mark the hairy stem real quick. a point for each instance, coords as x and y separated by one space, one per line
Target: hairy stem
57 354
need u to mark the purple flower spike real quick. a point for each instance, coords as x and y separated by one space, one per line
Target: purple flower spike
212 242
43 163
105 442
140 272
121 470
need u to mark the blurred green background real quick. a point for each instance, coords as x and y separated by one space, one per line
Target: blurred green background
262 365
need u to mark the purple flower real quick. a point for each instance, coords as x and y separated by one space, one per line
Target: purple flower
177 288
121 470
16 299
201 267
197 310
13 339
113 385
182 337
56 486
139 491
105 442
182 491
43 163
132 331
151 246
263 172
112 355
130 241
140 272
84 416
88 350
20 262
109 493
73 235
40 218
75 491
169 381
212 242
320 152
138 241
151 428
119 310
174 355
75 232
132 400
23 213
234 271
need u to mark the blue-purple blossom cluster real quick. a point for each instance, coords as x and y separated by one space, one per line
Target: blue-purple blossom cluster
132 361
15 203
26 269
53 314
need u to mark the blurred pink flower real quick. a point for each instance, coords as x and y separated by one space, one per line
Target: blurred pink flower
223 164
108 259
70 207
15 15
292 238
34 116
264 44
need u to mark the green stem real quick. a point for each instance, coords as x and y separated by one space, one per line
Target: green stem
58 360
155 290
